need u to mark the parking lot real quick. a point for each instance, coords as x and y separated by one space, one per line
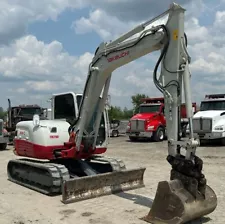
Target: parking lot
20 205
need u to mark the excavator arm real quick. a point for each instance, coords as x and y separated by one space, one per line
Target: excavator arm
172 42
108 57
186 195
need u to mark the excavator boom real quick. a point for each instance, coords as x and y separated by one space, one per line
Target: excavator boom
187 187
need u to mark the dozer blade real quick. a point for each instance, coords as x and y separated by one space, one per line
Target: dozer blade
82 188
175 205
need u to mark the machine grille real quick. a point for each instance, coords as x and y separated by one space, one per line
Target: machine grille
138 125
202 125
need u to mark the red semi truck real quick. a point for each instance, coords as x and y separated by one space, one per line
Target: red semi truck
150 122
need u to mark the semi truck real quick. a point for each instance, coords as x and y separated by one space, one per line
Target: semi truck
4 139
150 122
209 121
19 113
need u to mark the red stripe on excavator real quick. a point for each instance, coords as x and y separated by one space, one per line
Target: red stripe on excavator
29 149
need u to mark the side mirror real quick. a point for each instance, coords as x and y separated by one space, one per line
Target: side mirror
36 120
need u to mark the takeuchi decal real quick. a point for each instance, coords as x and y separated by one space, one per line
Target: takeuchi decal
118 56
54 136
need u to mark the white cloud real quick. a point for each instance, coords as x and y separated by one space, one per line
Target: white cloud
195 32
219 21
106 26
203 45
42 86
144 9
211 64
30 59
33 66
207 48
16 15
45 69
18 90
117 92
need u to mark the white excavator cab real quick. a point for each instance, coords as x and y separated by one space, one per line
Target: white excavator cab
65 106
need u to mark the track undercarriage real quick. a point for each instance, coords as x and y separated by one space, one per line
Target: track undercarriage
75 179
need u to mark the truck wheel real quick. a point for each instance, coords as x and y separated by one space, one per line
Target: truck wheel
132 139
159 134
202 142
3 146
223 141
115 133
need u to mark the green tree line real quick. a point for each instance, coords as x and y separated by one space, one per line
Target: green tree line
119 113
115 112
2 113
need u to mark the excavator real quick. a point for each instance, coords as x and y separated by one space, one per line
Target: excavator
186 196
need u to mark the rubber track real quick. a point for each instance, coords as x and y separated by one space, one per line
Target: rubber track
116 164
56 172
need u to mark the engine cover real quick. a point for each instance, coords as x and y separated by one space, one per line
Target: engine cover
40 142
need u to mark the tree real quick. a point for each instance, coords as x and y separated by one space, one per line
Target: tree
3 114
127 113
136 101
115 113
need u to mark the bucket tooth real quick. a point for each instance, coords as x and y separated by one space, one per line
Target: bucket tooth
173 204
82 188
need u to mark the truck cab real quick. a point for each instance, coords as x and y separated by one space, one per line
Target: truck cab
150 122
209 121
20 113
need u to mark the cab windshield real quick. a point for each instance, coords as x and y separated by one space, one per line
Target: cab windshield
30 111
212 105
149 108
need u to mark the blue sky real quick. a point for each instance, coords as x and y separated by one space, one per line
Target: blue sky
61 31
46 46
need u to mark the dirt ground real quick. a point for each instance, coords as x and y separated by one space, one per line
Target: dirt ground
19 205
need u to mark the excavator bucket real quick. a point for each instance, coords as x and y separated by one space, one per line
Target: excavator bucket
173 204
82 188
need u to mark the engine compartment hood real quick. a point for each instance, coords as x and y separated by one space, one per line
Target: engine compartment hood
208 113
143 116
44 124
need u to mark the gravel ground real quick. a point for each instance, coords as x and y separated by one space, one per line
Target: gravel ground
19 205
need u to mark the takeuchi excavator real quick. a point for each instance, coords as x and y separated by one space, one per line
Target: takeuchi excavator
186 196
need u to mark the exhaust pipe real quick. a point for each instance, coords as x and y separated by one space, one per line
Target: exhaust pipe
9 114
